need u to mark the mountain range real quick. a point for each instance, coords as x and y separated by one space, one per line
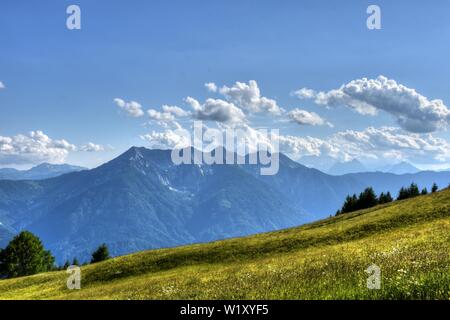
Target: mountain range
354 166
340 168
400 168
5 235
141 200
42 171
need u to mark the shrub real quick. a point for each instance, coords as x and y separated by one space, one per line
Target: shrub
101 254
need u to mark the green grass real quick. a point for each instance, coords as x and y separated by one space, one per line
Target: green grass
409 240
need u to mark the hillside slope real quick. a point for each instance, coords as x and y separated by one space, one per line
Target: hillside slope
40 172
409 240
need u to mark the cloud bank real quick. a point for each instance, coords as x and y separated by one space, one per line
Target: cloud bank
416 115
37 147
33 148
92 147
412 111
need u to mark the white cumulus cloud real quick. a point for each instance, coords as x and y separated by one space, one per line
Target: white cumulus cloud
412 111
211 87
92 147
160 116
132 108
216 110
305 93
35 147
303 117
394 143
377 144
168 139
176 111
383 144
248 97
167 118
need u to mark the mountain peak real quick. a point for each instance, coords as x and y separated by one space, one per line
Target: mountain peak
402 168
45 166
41 171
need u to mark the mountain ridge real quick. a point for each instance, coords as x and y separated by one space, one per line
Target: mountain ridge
402 168
42 171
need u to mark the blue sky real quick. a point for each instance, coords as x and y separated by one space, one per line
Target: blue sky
63 82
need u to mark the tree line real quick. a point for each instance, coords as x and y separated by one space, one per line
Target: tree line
368 197
25 255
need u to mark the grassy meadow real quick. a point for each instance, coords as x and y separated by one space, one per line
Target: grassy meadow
409 240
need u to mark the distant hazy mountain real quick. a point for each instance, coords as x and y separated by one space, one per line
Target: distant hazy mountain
400 168
321 163
42 171
352 166
141 200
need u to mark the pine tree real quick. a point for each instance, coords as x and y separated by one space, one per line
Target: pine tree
66 265
381 198
413 190
434 188
385 198
350 204
424 191
389 197
367 199
75 262
402 194
101 254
